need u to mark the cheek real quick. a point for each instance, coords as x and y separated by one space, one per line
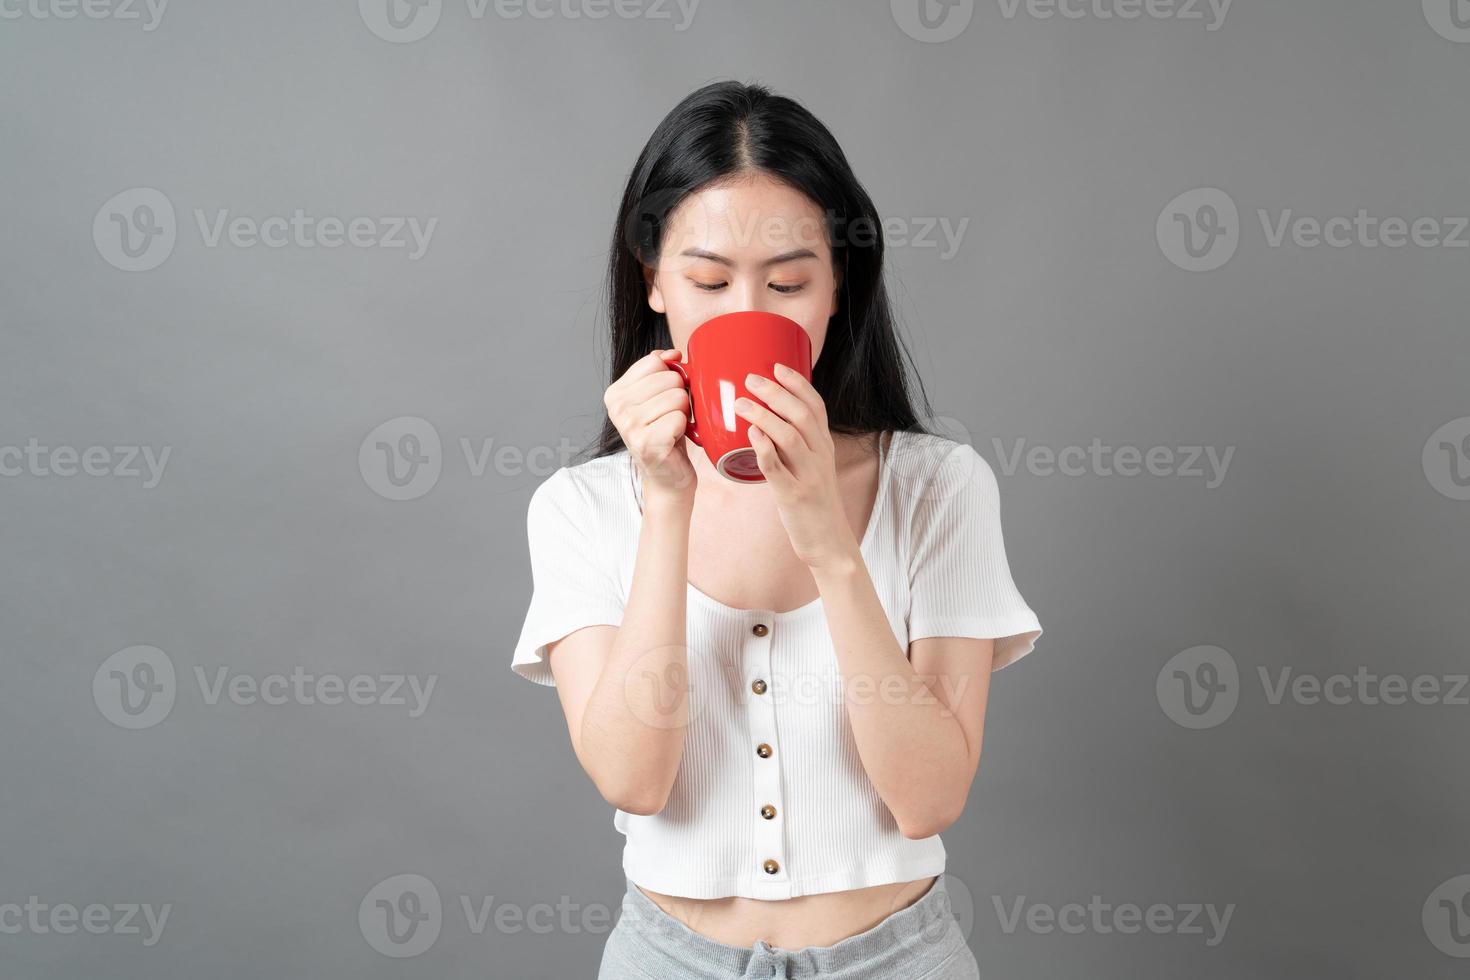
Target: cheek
685 308
818 334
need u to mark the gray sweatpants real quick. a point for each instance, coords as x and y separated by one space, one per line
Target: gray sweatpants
920 942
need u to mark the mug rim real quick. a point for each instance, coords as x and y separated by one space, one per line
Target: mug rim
689 344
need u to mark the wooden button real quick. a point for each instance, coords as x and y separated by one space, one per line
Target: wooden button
758 686
763 750
768 811
760 629
771 866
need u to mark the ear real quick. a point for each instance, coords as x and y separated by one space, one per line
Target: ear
655 294
838 268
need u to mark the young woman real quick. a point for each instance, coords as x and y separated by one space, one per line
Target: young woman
779 686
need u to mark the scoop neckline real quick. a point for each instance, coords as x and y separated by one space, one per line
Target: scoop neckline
879 505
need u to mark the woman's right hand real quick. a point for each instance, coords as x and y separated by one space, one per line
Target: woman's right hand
649 406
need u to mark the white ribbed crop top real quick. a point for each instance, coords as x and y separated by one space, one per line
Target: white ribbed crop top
771 800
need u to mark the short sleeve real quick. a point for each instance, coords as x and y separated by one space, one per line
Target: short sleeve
959 580
571 585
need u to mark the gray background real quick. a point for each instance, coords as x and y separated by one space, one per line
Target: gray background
266 547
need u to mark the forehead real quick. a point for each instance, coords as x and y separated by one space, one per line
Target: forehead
750 217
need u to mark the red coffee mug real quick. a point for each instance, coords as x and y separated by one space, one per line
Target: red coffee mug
722 351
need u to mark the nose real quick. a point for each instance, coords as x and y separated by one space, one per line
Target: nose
753 295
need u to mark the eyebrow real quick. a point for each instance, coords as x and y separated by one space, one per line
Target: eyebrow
796 253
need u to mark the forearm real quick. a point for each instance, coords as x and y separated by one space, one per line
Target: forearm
912 746
633 726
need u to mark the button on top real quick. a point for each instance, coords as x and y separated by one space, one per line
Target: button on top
758 686
763 750
771 866
768 811
760 629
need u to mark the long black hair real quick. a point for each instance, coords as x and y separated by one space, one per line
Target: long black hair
729 129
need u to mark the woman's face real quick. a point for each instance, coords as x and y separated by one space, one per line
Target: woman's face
751 244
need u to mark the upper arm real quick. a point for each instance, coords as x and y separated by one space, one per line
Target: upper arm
576 661
957 670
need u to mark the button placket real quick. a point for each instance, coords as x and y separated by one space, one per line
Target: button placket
769 808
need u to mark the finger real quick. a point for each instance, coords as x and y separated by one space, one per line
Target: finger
674 400
798 385
650 363
785 404
667 430
644 388
766 455
777 429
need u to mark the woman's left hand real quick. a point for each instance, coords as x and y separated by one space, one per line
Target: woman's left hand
798 459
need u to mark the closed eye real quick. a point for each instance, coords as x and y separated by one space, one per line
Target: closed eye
711 287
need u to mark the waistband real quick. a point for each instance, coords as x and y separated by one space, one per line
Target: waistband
915 936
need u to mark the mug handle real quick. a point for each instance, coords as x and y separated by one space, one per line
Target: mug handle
689 429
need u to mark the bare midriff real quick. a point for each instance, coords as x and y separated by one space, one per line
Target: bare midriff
792 923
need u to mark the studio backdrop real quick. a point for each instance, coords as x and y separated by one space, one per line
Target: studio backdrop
302 301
